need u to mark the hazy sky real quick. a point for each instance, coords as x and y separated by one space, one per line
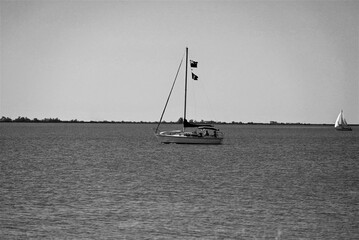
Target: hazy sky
287 61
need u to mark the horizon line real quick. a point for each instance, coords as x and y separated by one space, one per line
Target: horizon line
57 120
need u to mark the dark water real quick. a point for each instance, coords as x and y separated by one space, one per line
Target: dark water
115 181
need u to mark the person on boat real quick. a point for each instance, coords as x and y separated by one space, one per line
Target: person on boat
206 134
215 134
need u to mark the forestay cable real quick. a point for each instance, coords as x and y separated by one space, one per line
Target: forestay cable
173 84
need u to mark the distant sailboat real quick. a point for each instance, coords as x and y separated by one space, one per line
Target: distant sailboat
341 124
200 133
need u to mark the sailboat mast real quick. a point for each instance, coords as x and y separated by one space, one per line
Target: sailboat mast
185 88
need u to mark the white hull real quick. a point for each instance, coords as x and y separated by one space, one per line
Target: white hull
184 139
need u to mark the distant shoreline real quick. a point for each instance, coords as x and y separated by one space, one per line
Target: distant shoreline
56 120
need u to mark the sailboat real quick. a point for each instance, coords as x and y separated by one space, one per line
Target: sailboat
341 124
191 133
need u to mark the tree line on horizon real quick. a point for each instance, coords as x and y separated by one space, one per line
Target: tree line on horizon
57 120
179 121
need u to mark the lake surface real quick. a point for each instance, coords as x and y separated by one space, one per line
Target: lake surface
115 181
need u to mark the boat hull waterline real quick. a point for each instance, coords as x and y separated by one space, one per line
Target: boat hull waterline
182 138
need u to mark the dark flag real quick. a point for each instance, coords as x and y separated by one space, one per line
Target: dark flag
194 76
193 64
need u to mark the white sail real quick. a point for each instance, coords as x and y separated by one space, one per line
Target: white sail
341 124
338 121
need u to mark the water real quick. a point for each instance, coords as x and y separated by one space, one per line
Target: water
115 181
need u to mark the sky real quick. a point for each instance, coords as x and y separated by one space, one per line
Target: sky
258 61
